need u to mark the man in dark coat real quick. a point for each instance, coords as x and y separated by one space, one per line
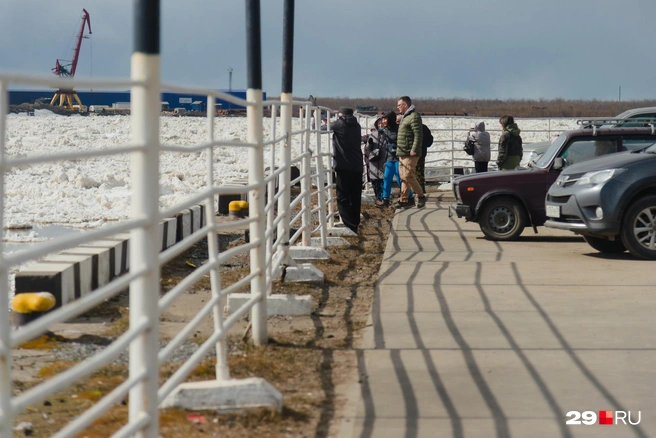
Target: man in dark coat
347 163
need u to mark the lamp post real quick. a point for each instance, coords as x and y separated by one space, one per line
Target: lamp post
229 84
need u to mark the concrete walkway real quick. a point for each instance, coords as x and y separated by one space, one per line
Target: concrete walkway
473 338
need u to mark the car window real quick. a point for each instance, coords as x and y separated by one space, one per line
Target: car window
585 149
545 160
633 143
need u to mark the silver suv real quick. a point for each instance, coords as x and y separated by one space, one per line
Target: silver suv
610 200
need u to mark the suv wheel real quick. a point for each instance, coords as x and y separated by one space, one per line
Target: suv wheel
606 246
639 228
502 219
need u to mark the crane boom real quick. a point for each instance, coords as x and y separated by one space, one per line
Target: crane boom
85 19
69 69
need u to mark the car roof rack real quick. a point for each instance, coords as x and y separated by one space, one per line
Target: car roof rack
598 122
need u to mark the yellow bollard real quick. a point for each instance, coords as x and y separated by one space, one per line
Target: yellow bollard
236 209
28 306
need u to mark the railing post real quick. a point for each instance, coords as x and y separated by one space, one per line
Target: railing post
271 190
321 186
331 197
549 128
144 291
254 116
6 389
222 371
306 181
453 157
286 108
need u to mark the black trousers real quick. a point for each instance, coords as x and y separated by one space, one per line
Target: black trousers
481 166
349 197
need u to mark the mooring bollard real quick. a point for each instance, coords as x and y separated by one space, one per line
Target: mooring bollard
29 306
236 209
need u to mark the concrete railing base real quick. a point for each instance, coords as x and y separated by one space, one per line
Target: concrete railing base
341 231
277 304
331 242
224 396
308 253
303 273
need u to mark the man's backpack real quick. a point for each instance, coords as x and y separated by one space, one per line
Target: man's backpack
428 137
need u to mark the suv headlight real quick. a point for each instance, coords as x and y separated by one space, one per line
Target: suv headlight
597 177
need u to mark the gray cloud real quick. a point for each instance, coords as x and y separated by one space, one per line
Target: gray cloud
472 49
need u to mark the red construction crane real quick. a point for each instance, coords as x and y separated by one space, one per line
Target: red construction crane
67 68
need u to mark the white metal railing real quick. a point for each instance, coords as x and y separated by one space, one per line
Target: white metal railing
450 132
291 142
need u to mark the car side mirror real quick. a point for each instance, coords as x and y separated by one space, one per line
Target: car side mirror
559 163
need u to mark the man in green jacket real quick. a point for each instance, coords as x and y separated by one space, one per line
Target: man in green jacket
409 151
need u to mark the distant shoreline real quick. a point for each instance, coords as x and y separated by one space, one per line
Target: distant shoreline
495 107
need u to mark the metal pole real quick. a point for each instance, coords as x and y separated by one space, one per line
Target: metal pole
306 182
144 291
256 170
286 125
321 186
6 388
221 369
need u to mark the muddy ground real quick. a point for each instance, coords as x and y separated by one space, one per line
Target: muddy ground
308 359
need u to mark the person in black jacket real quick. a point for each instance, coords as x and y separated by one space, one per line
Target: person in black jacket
347 163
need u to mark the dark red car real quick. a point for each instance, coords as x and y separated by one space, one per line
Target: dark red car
503 203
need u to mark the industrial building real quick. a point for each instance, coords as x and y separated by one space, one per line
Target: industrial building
190 102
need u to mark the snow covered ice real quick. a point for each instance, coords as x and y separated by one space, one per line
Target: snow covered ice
88 193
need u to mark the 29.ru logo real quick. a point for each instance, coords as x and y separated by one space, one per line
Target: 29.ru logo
605 417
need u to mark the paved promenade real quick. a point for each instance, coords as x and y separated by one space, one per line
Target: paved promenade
473 338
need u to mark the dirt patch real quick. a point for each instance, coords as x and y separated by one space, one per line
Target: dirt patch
307 358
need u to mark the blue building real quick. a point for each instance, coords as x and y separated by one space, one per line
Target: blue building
190 102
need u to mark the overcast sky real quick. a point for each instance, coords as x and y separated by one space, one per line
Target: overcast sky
574 49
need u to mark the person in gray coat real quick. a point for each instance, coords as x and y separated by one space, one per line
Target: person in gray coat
375 158
480 138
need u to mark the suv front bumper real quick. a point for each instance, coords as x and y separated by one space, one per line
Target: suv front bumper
574 209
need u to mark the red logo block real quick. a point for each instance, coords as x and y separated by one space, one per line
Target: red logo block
605 417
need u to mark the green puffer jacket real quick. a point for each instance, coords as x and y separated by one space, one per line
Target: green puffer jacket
510 144
411 134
